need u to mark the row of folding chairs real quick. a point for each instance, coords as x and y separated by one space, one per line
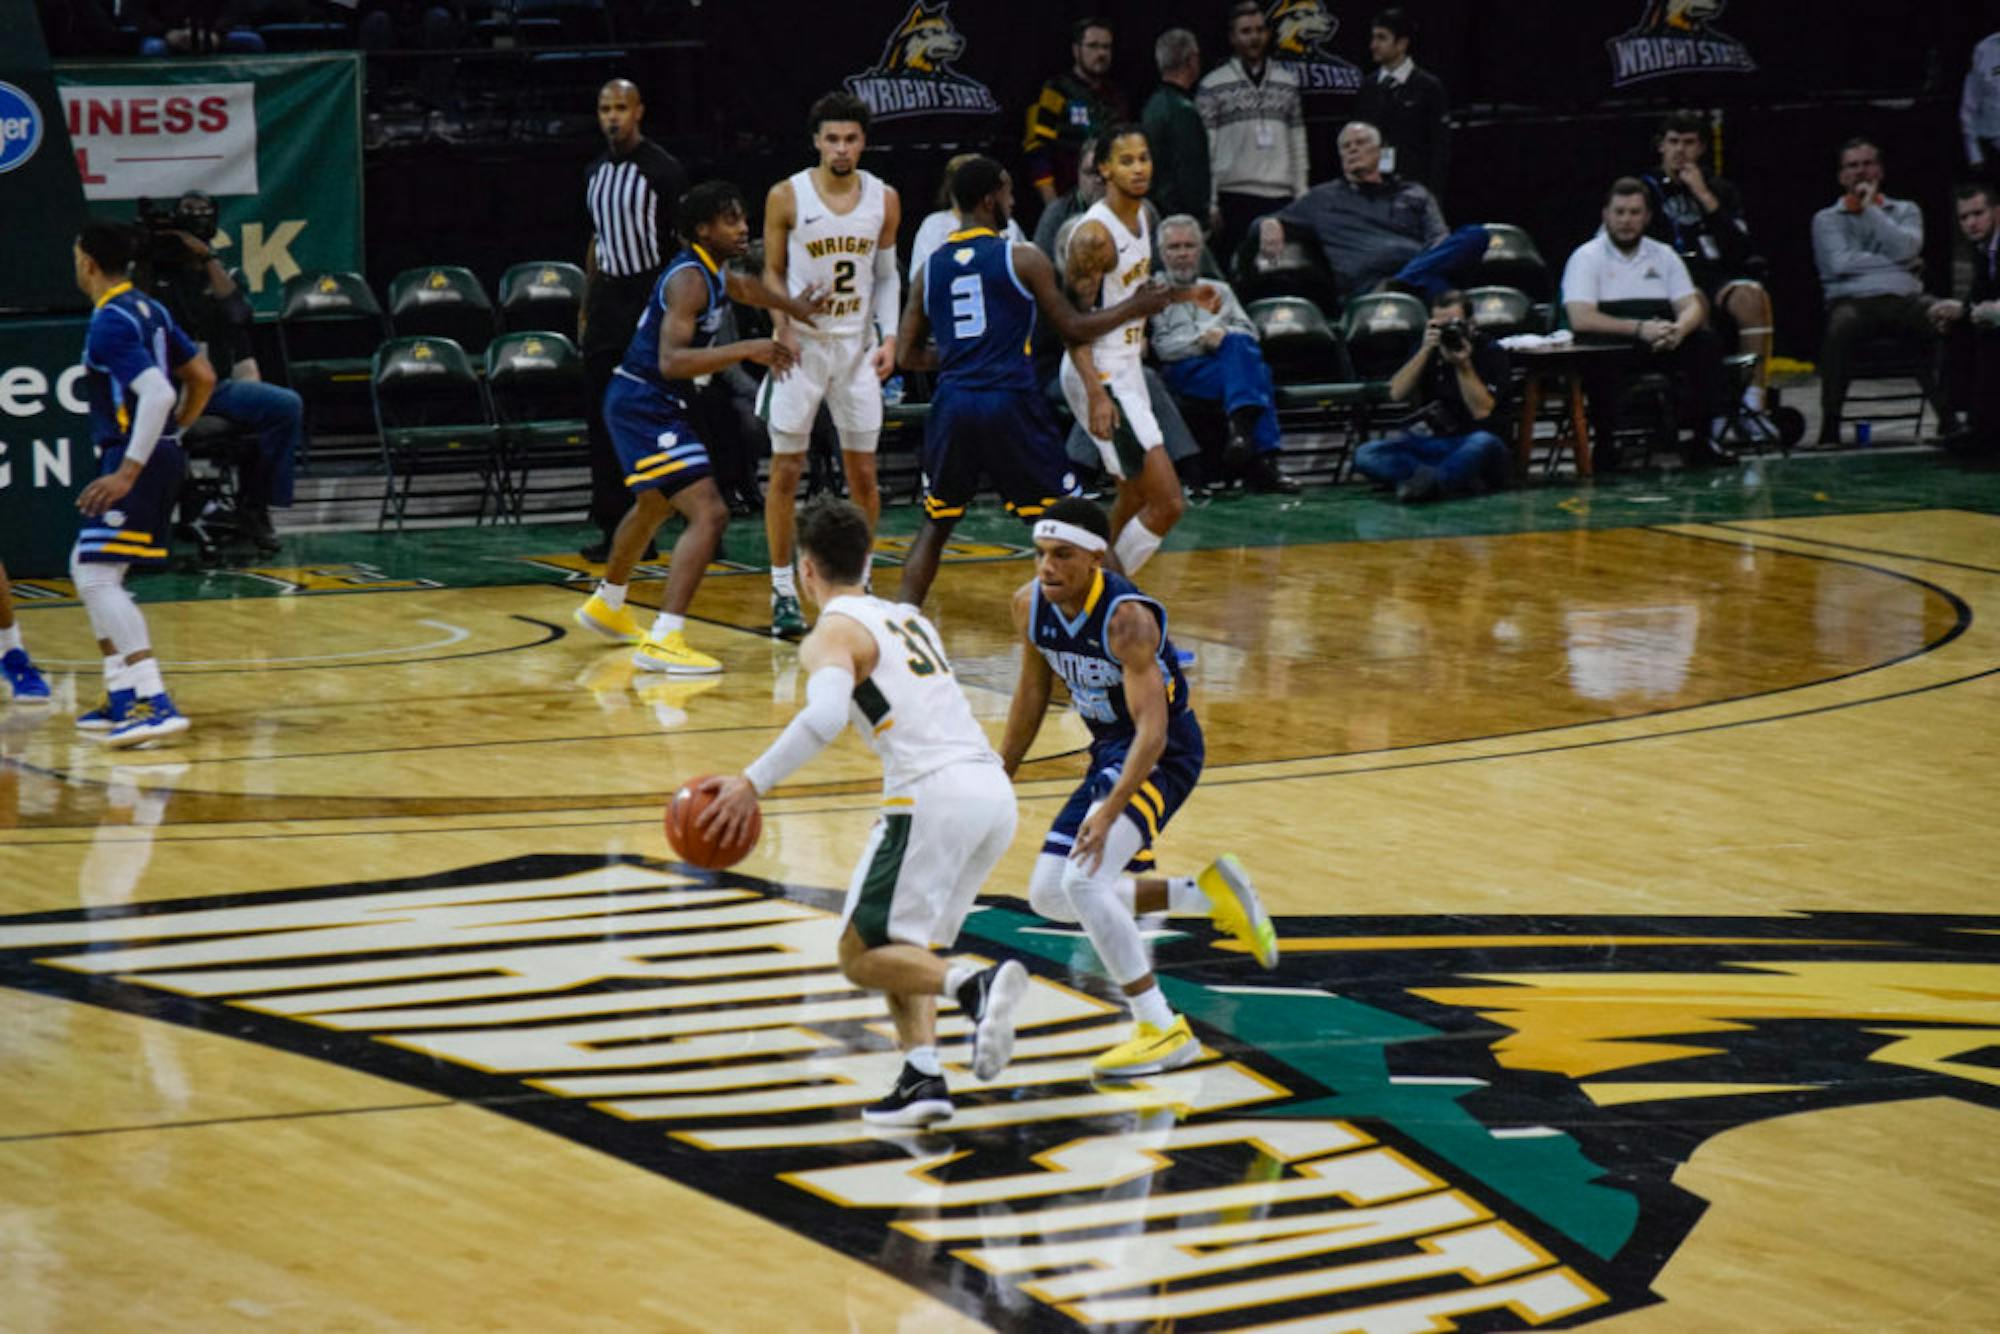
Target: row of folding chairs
499 424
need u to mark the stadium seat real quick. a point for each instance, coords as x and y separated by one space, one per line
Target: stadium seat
442 301
1382 331
434 420
329 326
1316 386
535 381
541 294
1513 260
1300 271
1500 312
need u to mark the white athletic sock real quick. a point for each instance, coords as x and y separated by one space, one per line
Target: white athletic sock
611 595
1136 545
956 975
115 675
10 639
667 623
145 678
1184 897
1150 1007
784 581
923 1060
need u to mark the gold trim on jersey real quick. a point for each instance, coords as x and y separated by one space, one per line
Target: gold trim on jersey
119 290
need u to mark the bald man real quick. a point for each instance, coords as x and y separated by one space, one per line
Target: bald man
631 193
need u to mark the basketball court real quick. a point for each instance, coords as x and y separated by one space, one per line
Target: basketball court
1630 849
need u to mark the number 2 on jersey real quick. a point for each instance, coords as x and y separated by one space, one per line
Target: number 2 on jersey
925 657
968 306
843 277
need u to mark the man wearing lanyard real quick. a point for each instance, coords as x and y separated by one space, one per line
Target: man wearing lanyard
631 194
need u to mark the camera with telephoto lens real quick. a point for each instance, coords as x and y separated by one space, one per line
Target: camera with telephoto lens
193 213
1454 336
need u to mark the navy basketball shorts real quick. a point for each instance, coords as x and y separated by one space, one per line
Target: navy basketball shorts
1151 807
134 531
1008 436
657 443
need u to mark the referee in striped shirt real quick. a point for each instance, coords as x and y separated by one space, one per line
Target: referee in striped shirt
631 193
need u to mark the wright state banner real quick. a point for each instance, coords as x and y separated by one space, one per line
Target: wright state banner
275 139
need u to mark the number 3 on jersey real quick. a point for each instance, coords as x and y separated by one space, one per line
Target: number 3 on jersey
968 306
925 656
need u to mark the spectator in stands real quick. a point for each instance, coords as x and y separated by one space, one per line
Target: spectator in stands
1174 126
1701 217
1071 109
1971 325
434 25
179 268
630 194
946 220
1057 216
1870 253
1456 443
1407 104
1376 228
1214 357
1979 107
1256 130
1623 287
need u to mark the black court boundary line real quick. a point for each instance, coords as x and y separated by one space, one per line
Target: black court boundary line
248 1119
1962 622
1741 526
552 633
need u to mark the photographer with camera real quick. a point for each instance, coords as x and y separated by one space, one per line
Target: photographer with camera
1454 445
180 271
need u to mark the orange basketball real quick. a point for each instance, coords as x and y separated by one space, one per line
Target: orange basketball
694 844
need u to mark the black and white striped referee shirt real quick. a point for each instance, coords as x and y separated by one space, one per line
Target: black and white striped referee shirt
631 201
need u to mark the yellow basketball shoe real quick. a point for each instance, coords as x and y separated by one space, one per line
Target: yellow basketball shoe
671 654
599 617
1150 1051
1233 907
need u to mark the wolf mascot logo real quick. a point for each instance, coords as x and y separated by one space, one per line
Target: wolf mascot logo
915 76
1676 37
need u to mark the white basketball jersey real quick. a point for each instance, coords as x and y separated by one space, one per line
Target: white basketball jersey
910 709
836 253
1126 343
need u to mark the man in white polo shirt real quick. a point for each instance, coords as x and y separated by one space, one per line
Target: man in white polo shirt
1623 287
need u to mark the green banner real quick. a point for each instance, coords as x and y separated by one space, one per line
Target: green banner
45 450
276 140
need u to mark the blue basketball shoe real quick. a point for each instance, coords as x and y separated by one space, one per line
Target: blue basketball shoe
109 713
22 676
148 721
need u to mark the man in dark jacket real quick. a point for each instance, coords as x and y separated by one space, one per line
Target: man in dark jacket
1407 104
1971 326
1179 139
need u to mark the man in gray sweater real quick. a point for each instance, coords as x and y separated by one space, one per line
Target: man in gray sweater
1870 253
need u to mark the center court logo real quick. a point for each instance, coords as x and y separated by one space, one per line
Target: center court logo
20 127
915 76
1676 37
1419 1123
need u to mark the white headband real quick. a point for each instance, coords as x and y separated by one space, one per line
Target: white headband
1059 531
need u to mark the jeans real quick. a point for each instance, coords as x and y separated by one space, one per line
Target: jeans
1446 264
1465 464
1234 375
278 417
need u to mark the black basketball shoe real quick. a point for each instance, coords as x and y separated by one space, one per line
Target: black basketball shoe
917 1100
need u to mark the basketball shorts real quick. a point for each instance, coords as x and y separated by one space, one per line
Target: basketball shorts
1006 435
833 370
1138 429
1172 779
928 854
134 531
658 447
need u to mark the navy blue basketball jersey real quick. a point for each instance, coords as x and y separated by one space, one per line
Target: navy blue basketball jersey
981 314
1076 651
642 356
129 335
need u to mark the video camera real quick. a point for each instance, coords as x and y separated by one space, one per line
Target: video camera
1454 336
193 213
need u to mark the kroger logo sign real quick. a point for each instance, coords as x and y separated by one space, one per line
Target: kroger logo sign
20 127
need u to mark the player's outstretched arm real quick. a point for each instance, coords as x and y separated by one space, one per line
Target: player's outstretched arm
687 298
1031 688
1133 636
757 292
1032 267
914 349
837 653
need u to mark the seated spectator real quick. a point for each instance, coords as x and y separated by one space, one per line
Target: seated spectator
1058 215
183 274
1701 217
1174 127
1375 228
1870 253
946 220
1971 327
1622 286
1072 109
1456 446
1407 104
1214 357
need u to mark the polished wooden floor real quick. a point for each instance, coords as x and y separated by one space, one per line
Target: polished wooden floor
1719 733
